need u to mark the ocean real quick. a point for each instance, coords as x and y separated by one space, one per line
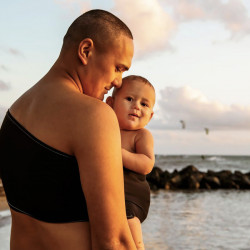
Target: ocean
190 220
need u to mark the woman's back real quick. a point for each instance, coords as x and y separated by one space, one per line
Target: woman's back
29 234
46 177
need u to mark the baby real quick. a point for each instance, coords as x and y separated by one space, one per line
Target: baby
133 104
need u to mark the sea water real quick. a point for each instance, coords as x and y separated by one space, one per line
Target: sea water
207 220
190 220
204 162
199 220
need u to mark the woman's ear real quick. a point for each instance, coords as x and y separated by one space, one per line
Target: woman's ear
110 101
84 50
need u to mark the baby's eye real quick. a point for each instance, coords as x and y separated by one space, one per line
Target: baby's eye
144 104
129 99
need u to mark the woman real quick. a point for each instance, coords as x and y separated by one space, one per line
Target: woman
60 145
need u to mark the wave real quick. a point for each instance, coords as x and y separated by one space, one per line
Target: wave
216 158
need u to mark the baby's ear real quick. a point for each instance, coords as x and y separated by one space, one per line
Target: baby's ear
109 101
151 115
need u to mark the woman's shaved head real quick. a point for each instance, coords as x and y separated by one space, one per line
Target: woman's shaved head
100 26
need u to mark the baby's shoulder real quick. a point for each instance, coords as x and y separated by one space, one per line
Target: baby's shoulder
143 133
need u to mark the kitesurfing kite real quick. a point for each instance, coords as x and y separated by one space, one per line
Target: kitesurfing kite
183 124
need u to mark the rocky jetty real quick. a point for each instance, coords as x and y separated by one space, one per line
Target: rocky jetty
191 178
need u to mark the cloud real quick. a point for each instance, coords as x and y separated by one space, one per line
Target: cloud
151 26
4 86
232 13
197 111
154 22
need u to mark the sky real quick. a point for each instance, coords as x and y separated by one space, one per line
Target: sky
196 53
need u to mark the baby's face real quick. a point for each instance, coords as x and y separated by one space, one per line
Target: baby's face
133 105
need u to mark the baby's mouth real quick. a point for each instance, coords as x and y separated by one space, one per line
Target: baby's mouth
135 115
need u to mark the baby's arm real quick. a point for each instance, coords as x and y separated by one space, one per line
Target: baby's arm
143 160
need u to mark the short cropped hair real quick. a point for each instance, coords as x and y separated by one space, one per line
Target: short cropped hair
133 78
99 25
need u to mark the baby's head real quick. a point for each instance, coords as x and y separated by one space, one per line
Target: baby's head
133 102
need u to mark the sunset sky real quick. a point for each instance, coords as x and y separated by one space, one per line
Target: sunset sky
195 52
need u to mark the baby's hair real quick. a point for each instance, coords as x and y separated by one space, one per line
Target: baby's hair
133 78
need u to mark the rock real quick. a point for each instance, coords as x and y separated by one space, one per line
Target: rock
210 182
241 179
211 173
188 170
191 178
206 186
154 176
167 186
192 182
199 176
226 179
248 174
175 181
228 184
164 178
223 174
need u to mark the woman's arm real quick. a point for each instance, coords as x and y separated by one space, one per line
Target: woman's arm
99 158
143 160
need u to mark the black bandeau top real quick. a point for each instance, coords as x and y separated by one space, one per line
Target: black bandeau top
38 180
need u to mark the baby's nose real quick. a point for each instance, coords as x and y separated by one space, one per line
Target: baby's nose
136 105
